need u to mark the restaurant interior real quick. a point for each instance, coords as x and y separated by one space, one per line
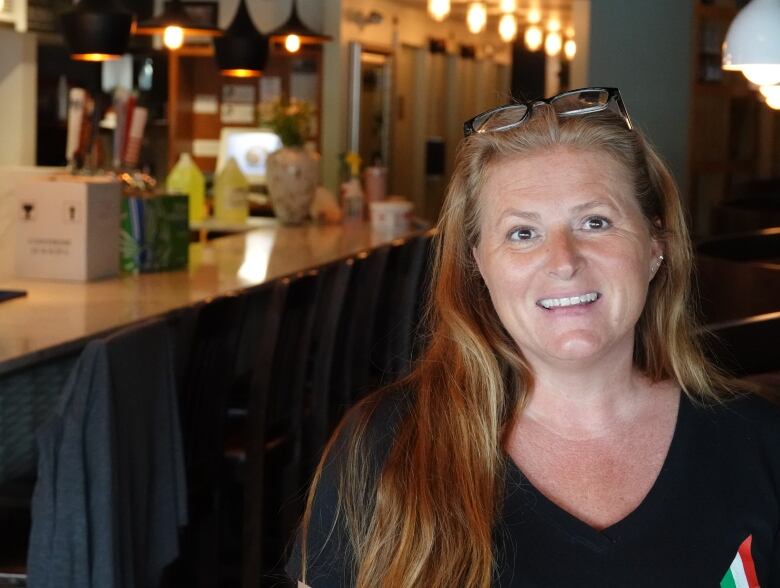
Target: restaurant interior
281 166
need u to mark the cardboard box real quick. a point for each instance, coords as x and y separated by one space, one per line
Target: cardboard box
155 233
66 228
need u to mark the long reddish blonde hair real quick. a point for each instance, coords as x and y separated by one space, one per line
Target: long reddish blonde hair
426 518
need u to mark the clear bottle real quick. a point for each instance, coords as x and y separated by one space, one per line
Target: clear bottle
231 194
186 178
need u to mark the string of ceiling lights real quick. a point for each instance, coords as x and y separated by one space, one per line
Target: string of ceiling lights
100 30
549 34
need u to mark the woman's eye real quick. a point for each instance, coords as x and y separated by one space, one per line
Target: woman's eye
596 223
522 234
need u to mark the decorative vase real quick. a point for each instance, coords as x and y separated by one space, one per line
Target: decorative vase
292 174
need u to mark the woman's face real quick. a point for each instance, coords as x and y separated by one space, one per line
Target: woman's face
566 254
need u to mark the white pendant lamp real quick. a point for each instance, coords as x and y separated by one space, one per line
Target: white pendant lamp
553 44
772 96
507 27
533 37
508 6
476 17
752 43
438 9
570 49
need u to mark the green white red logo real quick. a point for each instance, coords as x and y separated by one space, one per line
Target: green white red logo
742 571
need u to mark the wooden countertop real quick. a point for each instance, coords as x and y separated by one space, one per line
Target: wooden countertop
58 317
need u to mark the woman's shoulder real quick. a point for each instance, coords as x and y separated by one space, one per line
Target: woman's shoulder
744 413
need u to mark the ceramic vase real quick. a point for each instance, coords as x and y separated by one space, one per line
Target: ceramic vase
292 174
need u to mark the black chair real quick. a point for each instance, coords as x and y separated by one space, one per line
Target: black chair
392 349
316 427
351 377
273 490
747 347
209 378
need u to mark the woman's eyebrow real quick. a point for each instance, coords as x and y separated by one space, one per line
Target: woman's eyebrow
592 204
532 216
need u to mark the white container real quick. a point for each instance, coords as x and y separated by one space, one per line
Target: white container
391 215
67 228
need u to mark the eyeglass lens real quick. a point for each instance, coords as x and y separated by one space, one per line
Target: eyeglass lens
580 102
500 119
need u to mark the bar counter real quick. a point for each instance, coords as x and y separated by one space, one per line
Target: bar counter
59 317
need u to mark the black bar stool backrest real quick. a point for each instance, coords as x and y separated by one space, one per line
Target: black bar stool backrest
351 374
209 378
330 305
265 307
391 356
282 487
747 347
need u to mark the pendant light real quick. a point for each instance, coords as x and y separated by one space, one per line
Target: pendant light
507 27
242 52
96 30
439 9
294 33
174 24
476 17
752 43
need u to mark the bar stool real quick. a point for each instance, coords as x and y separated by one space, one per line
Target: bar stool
351 377
397 311
209 377
274 440
111 495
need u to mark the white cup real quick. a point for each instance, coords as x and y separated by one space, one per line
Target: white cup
390 215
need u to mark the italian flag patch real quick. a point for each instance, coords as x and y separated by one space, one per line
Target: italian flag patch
742 571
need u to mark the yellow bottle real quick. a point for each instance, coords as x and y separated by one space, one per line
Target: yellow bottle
231 194
186 178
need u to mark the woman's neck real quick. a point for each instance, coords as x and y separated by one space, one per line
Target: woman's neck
591 400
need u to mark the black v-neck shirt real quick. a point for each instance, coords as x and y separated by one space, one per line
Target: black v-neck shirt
719 485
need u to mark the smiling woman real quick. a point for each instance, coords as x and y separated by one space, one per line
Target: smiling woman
563 427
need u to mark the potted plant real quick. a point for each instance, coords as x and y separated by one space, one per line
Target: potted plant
292 172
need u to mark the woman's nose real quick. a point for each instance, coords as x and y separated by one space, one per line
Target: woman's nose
564 258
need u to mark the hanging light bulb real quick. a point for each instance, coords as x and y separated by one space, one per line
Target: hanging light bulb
570 49
507 27
508 6
292 43
173 37
438 9
752 44
534 16
553 25
296 27
174 24
476 18
533 37
553 44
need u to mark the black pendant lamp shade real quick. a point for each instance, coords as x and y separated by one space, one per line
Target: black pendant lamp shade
295 26
242 51
96 30
174 15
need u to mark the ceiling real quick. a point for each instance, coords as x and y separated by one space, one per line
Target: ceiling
459 6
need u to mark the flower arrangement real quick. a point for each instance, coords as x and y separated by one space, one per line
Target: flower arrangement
291 121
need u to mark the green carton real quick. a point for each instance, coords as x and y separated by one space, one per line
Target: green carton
154 233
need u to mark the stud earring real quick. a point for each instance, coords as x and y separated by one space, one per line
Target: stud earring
657 264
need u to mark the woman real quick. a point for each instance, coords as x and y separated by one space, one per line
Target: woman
563 427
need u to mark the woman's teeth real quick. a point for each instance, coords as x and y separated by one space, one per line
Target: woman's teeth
570 301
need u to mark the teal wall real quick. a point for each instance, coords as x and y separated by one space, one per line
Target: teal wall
644 48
